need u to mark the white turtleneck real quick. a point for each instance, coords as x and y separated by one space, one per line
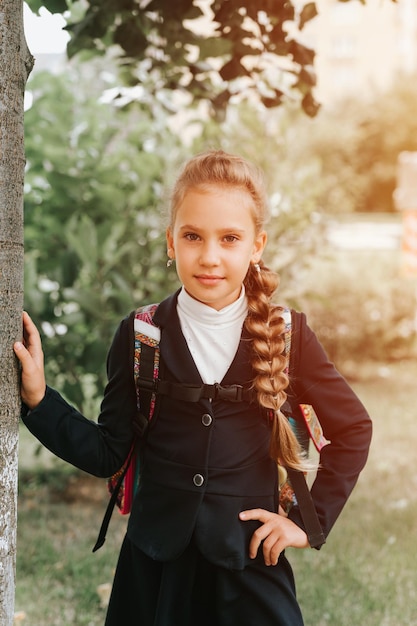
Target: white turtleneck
212 336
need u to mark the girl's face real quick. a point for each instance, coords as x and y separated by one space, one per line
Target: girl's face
213 241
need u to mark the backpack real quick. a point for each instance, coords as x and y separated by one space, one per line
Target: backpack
122 485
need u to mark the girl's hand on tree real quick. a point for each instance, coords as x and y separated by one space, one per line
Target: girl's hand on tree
276 533
29 352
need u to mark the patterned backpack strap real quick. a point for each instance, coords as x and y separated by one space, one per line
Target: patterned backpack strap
310 426
293 488
287 497
122 485
145 366
146 359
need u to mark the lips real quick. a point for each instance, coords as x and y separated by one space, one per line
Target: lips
208 279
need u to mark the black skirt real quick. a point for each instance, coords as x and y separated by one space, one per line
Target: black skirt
191 591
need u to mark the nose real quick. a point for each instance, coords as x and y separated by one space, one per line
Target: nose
209 256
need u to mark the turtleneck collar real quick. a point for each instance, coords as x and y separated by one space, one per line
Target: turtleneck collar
212 336
208 316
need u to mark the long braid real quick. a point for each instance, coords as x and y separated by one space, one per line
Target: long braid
266 328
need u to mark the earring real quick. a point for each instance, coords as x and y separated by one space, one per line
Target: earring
257 267
170 262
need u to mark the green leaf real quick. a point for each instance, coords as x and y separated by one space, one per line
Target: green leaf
161 35
307 76
233 69
131 38
309 105
53 6
308 12
277 35
271 102
35 5
214 47
301 54
56 6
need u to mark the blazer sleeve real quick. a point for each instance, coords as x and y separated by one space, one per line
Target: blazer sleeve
101 447
315 380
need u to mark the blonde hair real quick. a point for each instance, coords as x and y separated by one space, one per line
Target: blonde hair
264 321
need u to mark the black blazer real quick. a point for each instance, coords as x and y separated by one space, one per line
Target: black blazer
231 455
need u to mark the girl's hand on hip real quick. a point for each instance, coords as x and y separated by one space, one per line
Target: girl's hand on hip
276 533
29 352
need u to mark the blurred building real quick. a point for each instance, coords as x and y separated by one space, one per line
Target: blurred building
361 48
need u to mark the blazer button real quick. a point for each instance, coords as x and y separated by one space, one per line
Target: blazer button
198 480
206 419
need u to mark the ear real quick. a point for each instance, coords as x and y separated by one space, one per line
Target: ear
170 243
259 246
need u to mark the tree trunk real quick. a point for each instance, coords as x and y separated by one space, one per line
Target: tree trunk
15 65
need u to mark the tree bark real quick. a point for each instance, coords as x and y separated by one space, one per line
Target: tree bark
15 65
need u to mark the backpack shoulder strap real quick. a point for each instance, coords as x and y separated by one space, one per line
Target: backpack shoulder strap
308 426
305 502
298 425
146 364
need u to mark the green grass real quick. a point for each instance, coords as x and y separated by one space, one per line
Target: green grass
57 574
364 575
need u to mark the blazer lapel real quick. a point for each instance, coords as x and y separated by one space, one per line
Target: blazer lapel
240 370
177 357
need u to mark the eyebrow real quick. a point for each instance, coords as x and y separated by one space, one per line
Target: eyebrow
229 229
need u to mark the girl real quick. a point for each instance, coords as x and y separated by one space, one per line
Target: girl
206 538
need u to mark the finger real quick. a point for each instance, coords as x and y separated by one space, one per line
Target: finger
272 549
23 354
259 535
33 384
31 334
31 354
255 514
254 544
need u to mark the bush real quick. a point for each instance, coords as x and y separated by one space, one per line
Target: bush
361 308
